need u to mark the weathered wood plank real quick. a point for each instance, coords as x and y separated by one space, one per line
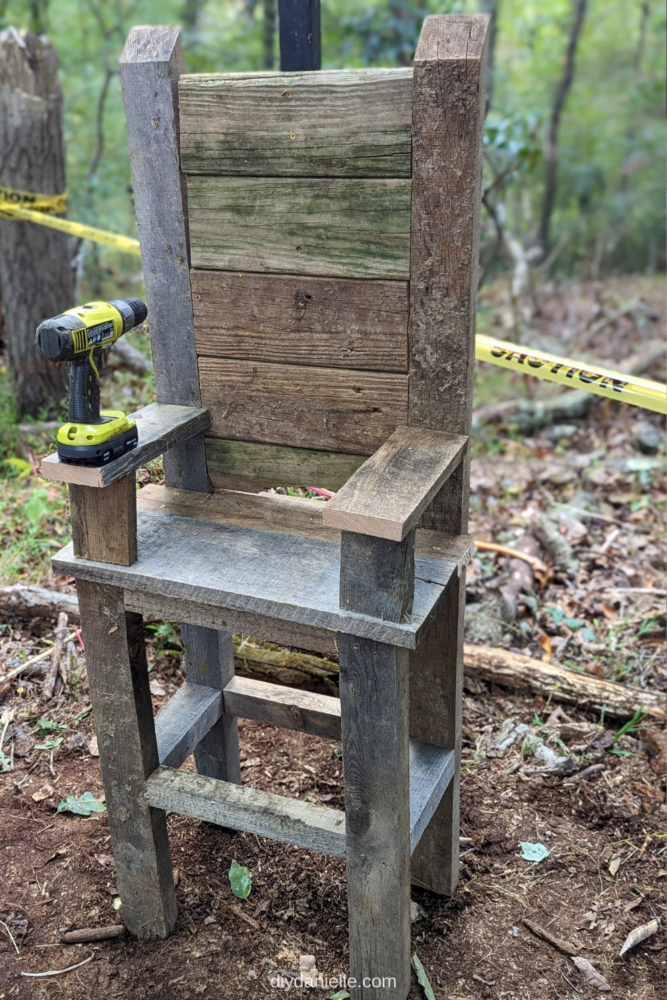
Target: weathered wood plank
291 319
104 522
264 573
377 577
387 495
374 711
184 721
246 465
157 607
118 676
431 770
275 705
437 555
209 660
447 123
327 408
241 808
319 226
337 123
160 427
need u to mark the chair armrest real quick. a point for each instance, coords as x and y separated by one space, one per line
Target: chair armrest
387 495
160 426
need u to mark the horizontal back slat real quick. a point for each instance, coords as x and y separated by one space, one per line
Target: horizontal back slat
248 465
342 123
325 322
324 408
331 227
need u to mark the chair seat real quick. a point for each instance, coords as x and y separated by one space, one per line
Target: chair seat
271 574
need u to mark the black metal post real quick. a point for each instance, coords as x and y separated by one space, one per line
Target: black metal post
300 35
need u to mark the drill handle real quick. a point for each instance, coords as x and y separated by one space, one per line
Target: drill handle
84 391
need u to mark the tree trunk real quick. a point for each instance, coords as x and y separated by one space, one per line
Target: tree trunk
268 33
551 150
35 273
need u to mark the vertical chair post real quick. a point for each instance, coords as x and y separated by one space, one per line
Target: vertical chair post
377 578
447 123
150 67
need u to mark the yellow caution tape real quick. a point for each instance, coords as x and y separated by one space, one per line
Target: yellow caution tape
43 209
54 203
600 381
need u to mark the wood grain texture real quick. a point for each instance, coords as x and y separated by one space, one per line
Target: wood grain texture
431 771
264 573
160 427
374 711
377 577
209 660
322 408
320 226
276 705
387 495
104 522
291 319
246 465
184 721
118 677
240 808
336 123
447 124
150 66
157 607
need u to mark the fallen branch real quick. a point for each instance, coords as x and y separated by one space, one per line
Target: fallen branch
504 550
58 972
55 668
132 358
500 666
86 934
565 946
33 659
37 602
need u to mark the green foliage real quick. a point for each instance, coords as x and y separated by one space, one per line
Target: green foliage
83 806
631 726
422 978
240 880
46 726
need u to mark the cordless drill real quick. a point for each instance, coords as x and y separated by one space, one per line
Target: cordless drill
81 336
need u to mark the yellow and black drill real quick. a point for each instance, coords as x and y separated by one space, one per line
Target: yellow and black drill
81 336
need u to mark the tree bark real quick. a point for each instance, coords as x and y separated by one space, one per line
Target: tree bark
551 150
35 273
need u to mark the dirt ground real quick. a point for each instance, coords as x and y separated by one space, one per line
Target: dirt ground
604 830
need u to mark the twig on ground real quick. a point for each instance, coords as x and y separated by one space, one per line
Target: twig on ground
59 972
11 936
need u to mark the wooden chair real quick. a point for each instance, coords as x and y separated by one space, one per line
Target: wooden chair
309 244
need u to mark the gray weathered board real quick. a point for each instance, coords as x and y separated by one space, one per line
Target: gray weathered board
277 705
319 226
328 408
160 427
352 123
297 319
184 721
267 573
388 494
296 822
248 465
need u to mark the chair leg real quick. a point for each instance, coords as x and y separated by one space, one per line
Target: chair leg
436 690
374 711
209 660
118 677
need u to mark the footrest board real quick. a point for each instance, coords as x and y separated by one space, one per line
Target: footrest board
266 574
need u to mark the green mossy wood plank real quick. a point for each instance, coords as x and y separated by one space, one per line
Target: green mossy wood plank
352 123
265 465
318 226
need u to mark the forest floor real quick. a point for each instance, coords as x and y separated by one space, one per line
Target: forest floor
601 483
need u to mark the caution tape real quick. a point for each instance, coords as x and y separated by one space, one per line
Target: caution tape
573 374
44 209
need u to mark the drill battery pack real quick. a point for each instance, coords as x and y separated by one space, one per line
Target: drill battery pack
99 443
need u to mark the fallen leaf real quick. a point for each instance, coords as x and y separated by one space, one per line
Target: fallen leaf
92 747
533 852
75 742
251 763
638 935
83 806
545 642
422 978
614 865
156 688
45 792
308 971
609 613
105 859
590 974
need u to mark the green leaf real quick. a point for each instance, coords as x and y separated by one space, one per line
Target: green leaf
80 716
49 744
422 978
117 903
46 726
341 995
588 635
533 852
240 880
83 806
631 726
23 468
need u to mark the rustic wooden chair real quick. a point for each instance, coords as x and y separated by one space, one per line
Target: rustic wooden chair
309 244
